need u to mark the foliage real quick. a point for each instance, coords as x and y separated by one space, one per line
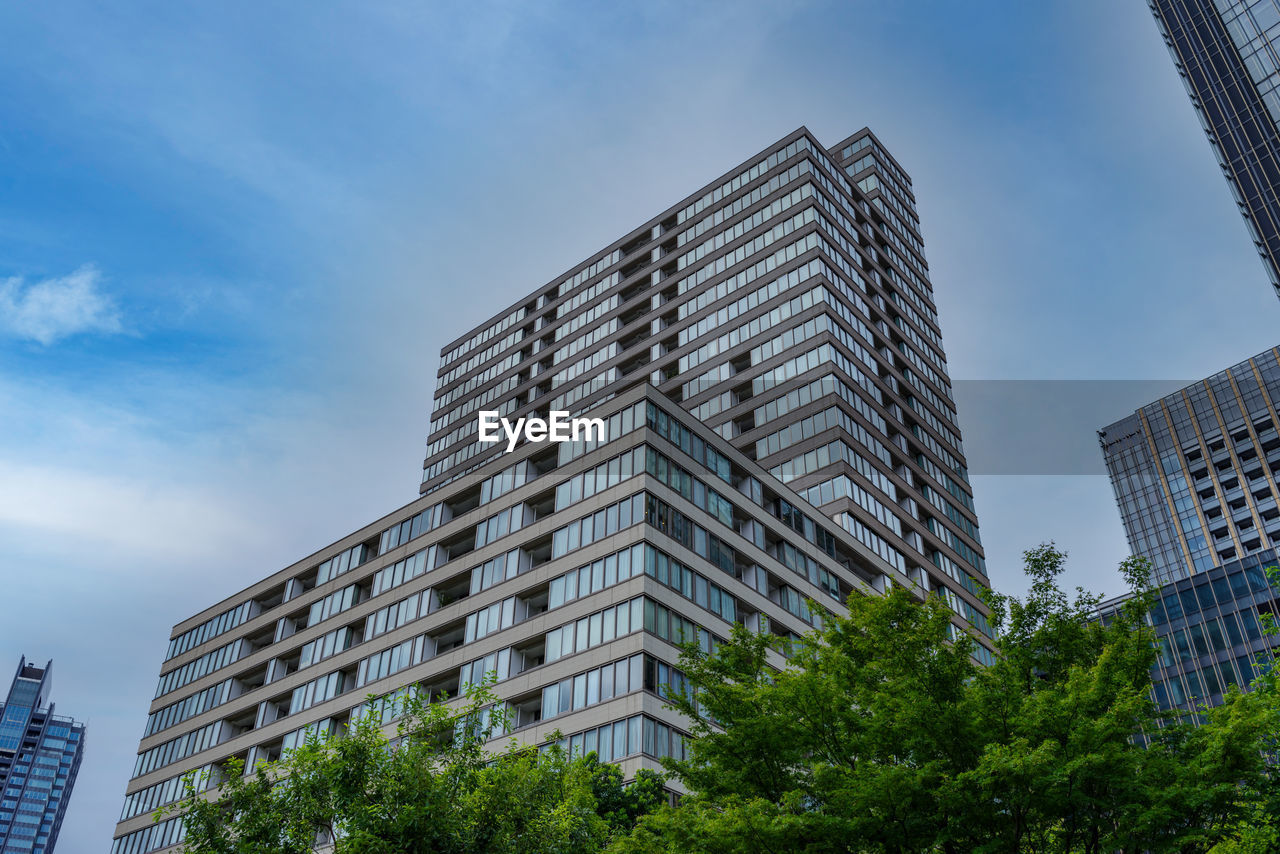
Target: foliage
882 735
432 789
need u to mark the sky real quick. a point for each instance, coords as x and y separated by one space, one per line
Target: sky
234 238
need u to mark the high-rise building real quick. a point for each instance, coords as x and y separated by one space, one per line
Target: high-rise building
1228 55
828 280
765 361
1195 477
1205 456
39 757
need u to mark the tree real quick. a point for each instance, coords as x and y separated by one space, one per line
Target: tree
434 788
882 735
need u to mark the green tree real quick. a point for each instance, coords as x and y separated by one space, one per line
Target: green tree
881 734
434 788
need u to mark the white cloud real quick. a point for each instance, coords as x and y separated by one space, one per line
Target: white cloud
57 308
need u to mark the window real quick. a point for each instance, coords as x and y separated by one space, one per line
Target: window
598 628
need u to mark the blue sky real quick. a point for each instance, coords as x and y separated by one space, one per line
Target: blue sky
233 239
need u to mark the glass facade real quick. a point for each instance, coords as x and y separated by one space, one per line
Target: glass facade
1210 632
1195 478
39 758
1228 55
1195 473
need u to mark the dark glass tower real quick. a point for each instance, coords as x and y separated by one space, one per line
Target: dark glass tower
1196 478
1228 55
39 757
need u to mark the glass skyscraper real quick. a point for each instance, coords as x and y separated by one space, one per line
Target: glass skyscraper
1196 476
766 359
1228 55
39 757
1194 473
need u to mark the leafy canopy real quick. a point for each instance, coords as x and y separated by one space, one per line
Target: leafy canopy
434 788
882 735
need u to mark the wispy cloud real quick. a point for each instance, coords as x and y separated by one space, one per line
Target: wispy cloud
56 308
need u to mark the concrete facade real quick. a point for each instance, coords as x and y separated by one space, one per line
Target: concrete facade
766 357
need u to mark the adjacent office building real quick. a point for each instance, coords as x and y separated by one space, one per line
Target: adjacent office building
1195 477
1228 55
1195 472
39 757
776 429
